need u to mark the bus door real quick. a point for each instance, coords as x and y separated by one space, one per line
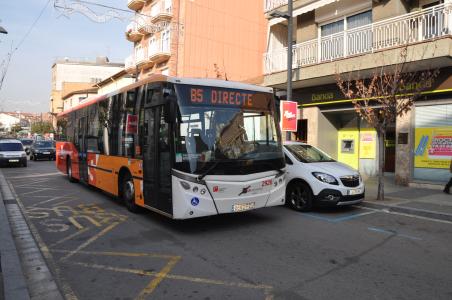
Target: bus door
157 160
82 153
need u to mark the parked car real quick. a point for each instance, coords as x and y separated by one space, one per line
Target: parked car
27 144
42 150
12 153
314 178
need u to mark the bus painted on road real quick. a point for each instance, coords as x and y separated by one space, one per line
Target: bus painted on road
181 147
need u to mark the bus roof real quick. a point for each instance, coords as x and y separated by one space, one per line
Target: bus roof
177 80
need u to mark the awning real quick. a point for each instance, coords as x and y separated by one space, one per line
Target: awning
302 10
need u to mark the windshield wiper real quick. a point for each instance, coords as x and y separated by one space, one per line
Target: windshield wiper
212 167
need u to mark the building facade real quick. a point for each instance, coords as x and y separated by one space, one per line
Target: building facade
358 37
202 38
70 75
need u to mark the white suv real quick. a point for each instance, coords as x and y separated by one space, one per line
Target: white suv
314 178
12 152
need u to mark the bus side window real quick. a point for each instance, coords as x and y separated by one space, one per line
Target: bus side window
103 127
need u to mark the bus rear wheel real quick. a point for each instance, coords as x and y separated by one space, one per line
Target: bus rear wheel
128 193
69 171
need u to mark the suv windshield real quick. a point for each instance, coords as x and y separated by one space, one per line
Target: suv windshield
26 142
237 137
44 144
11 147
308 154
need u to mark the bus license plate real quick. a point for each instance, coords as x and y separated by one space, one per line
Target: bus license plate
13 160
243 206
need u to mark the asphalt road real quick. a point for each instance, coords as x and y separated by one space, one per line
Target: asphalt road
98 250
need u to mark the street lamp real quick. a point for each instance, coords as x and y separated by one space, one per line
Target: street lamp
288 16
3 30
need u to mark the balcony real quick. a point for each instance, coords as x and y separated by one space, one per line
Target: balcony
132 33
272 4
129 64
141 57
162 10
135 4
410 29
159 51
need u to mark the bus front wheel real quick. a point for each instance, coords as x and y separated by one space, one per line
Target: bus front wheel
128 193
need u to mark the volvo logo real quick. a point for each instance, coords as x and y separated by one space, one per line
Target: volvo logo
245 190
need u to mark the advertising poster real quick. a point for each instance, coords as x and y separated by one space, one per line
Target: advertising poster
131 124
289 115
368 144
433 147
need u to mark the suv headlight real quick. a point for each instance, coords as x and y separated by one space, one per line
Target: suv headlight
325 178
24 155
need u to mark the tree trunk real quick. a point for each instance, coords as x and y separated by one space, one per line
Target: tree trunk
381 164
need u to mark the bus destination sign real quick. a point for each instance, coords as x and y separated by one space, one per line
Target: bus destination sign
209 96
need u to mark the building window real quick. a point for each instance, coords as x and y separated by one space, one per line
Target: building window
335 43
166 40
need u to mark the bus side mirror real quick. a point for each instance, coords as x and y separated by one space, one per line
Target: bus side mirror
170 109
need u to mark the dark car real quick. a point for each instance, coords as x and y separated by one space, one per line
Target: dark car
27 145
42 150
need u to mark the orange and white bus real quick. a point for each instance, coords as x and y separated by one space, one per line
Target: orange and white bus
181 147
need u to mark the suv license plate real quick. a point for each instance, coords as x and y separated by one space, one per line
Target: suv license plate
243 206
45 152
13 160
354 192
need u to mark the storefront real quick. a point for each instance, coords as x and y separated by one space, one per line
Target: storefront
418 147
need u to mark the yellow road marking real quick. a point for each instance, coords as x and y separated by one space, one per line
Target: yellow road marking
92 239
158 278
70 237
65 287
80 226
175 277
109 253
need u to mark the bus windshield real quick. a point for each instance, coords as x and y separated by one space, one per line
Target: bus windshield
237 130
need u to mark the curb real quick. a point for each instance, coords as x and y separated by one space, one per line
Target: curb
408 210
14 283
28 275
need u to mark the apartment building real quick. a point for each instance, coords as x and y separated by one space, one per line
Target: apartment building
350 36
202 38
69 75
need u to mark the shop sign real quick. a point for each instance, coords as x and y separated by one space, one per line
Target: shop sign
368 144
433 147
289 116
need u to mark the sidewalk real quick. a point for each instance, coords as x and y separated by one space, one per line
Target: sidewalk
426 202
24 271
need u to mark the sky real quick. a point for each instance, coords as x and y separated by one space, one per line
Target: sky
27 85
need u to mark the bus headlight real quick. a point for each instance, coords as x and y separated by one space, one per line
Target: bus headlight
203 191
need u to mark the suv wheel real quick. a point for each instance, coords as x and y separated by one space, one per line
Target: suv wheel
299 196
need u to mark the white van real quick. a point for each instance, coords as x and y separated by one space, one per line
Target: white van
314 178
12 153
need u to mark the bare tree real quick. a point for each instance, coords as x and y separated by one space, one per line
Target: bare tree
388 93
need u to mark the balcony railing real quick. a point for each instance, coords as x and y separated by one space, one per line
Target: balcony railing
420 26
129 63
272 4
162 9
140 56
159 50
